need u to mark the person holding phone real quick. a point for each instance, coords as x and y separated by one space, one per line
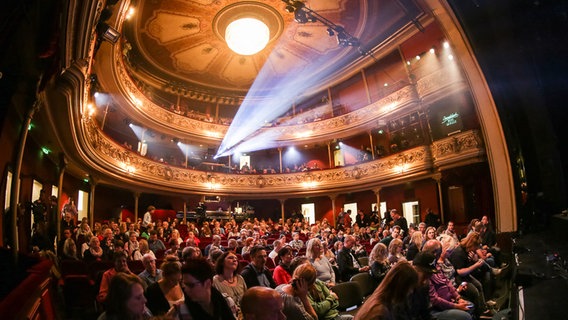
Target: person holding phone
295 294
447 303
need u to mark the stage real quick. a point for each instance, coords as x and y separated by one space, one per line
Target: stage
541 274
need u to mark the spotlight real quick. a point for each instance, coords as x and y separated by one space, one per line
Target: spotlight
300 16
417 57
108 33
432 51
451 57
446 45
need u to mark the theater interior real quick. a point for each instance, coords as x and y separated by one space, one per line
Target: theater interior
452 106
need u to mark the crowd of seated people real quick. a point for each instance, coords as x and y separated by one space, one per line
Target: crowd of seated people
446 275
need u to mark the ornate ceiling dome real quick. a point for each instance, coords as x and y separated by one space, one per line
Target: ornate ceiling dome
182 42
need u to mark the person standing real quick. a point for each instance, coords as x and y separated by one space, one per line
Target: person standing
71 209
432 219
148 217
400 221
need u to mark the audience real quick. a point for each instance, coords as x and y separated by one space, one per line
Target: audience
120 265
378 262
295 295
256 273
226 278
324 269
204 301
151 274
282 273
167 292
447 303
270 300
125 299
445 276
391 299
348 264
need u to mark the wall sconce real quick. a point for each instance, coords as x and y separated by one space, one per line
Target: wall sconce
212 186
401 168
309 182
130 169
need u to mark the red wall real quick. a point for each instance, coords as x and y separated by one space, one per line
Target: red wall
423 191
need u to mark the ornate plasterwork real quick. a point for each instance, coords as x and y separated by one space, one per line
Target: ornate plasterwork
464 145
283 134
130 165
438 81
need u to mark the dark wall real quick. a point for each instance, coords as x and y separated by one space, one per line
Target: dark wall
519 45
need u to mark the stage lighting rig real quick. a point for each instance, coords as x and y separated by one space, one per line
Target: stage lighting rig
303 14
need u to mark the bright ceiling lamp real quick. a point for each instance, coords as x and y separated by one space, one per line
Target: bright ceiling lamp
247 36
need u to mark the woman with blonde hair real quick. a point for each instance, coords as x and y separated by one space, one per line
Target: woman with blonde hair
415 245
395 252
297 305
314 252
390 299
379 262
145 249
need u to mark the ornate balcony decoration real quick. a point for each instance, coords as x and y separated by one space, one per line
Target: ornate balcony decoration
441 82
459 149
366 116
125 164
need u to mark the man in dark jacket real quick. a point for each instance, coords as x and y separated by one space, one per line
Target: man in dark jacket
346 261
256 273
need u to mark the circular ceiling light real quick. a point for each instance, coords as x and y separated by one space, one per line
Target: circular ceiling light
247 36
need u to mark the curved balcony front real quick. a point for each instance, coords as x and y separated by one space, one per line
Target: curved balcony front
124 164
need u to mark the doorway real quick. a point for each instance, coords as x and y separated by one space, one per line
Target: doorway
411 211
338 158
353 208
309 212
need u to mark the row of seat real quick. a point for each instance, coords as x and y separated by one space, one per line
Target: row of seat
352 294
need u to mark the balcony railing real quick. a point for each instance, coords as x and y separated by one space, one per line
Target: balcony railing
126 165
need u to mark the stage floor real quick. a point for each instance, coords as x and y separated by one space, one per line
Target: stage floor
545 285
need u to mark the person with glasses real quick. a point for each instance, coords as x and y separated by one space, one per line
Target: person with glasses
256 273
203 301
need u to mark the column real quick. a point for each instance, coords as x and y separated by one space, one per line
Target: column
62 166
332 198
282 201
438 178
280 156
136 198
372 147
329 154
184 211
366 84
15 198
94 182
377 193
